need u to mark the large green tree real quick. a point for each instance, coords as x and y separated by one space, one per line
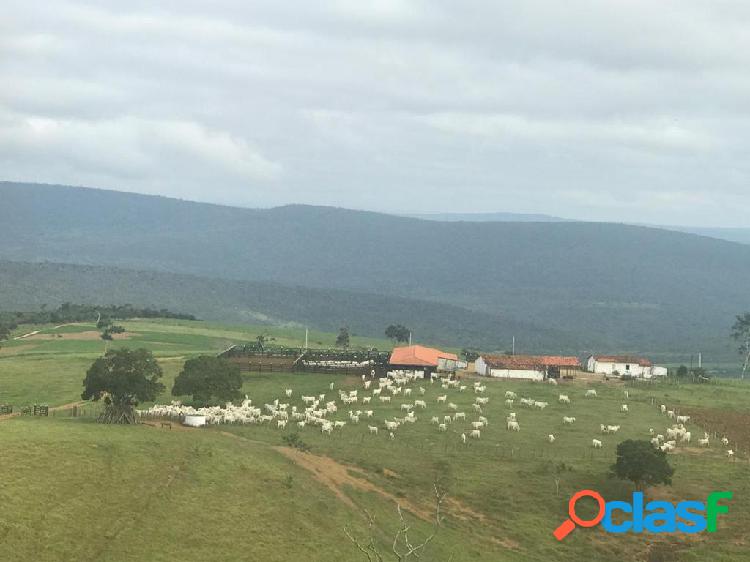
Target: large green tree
122 379
342 340
208 378
641 463
741 333
397 333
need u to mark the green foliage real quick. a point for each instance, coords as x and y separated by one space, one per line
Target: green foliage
469 354
294 441
397 333
682 372
342 339
209 379
123 377
641 463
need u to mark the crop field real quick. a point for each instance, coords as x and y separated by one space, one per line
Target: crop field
76 490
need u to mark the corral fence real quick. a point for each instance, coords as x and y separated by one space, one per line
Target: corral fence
253 359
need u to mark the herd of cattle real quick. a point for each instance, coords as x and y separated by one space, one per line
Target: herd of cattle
407 386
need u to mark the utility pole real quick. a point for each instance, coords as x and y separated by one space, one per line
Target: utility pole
409 337
513 349
306 334
700 360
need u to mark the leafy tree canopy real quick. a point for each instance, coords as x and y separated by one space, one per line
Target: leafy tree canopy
208 378
123 378
397 333
342 340
641 463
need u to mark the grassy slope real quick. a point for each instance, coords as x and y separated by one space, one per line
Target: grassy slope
107 479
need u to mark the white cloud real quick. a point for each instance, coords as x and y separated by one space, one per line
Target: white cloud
577 108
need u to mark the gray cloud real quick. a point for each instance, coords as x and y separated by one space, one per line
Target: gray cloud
626 111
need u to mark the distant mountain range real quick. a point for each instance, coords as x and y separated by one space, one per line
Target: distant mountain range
741 235
486 217
564 285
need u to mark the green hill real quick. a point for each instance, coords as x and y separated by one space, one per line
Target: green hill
609 286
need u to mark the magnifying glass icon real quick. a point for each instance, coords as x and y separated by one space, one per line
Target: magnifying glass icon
569 524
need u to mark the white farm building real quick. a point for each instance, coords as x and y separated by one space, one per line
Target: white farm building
529 367
618 365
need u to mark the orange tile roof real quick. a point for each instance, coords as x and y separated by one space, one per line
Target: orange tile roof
418 355
529 361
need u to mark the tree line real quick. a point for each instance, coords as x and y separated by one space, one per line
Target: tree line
69 312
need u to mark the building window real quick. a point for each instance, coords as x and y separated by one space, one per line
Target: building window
627 367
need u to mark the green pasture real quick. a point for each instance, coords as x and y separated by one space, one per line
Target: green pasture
74 490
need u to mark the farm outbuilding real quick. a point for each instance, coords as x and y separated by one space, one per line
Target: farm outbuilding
530 367
423 358
618 365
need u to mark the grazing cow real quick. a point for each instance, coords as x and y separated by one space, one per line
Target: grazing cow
288 392
568 420
373 429
703 442
596 444
724 441
435 419
392 437
685 438
551 438
463 438
509 394
513 426
509 403
475 433
563 399
663 409
590 393
730 453
624 408
442 427
442 398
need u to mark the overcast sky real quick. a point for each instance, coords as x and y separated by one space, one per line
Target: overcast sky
631 111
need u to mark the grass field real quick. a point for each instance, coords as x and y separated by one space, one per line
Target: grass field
75 490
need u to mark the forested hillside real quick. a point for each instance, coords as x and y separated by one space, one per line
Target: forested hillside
608 286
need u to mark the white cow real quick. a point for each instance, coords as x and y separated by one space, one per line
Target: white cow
475 433
596 444
568 420
551 438
590 393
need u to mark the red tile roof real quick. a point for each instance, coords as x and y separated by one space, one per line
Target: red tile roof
623 359
514 362
419 356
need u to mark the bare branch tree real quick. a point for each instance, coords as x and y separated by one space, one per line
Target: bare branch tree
402 547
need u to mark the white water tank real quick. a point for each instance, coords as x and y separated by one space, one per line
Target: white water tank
194 420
